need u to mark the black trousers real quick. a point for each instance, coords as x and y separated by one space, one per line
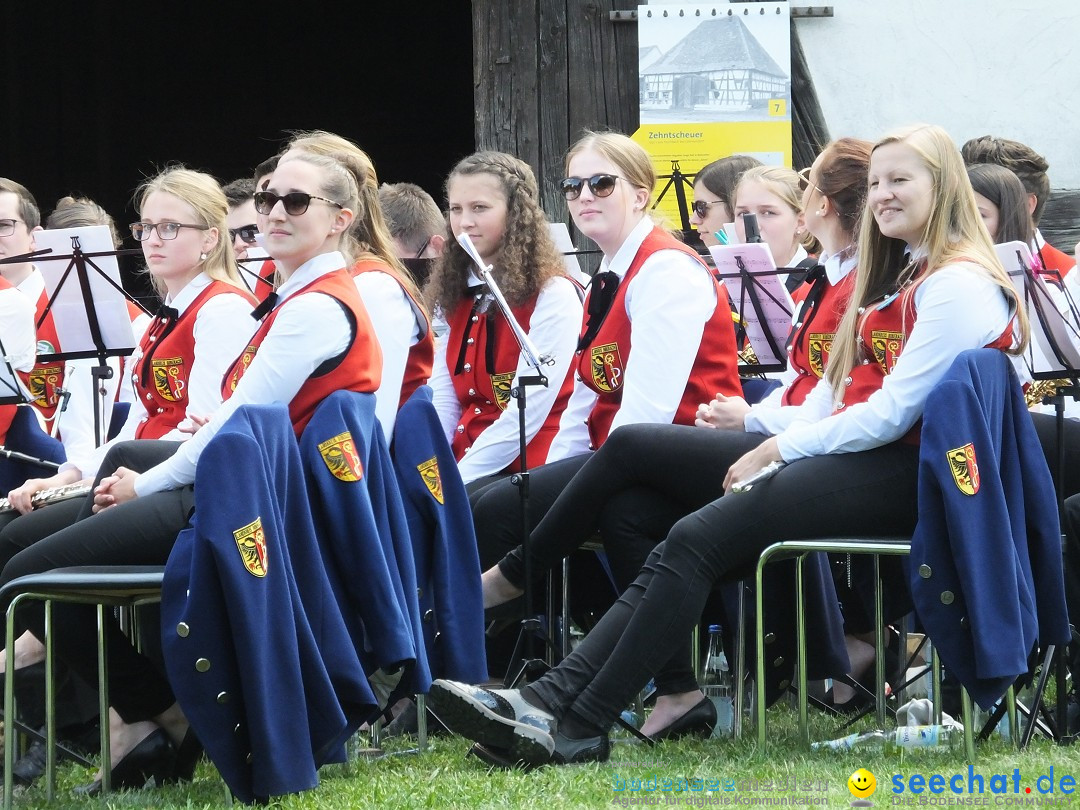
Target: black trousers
140 532
868 493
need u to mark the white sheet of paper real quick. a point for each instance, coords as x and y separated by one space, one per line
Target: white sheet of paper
775 300
560 235
68 309
1062 331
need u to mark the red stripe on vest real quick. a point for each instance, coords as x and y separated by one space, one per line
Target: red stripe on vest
809 354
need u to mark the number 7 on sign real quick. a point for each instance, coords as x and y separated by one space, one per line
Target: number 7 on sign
777 107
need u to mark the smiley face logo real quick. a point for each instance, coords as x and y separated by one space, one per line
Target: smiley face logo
862 784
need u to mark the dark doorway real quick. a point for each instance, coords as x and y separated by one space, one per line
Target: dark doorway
97 96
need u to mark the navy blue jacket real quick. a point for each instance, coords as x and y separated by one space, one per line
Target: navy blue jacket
444 542
361 527
254 644
986 564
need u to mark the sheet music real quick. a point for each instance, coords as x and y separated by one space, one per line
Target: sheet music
1055 327
68 308
768 332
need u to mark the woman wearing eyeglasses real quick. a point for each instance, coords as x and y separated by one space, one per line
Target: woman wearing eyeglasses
314 323
657 340
386 286
714 190
493 198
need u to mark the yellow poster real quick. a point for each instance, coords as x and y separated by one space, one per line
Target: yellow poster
713 80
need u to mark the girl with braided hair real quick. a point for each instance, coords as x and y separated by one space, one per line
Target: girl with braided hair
493 197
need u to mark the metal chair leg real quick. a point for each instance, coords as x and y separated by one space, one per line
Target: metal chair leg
800 640
421 721
740 663
879 645
1014 726
50 706
759 651
968 720
9 704
103 702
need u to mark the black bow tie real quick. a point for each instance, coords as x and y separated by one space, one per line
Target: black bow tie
602 291
264 308
167 313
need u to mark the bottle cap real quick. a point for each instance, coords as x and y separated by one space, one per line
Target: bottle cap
714 628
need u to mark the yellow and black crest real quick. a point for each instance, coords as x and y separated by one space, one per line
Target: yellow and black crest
167 378
251 541
341 457
965 468
887 347
241 365
607 367
501 385
429 472
818 348
43 382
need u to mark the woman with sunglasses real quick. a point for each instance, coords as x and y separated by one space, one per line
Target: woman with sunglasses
647 477
714 190
852 462
657 340
316 321
386 286
493 198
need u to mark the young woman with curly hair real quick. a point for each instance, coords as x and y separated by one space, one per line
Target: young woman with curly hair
493 197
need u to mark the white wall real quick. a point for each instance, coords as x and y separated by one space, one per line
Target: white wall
1009 68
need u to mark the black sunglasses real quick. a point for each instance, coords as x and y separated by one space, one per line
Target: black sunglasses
701 208
295 202
245 232
600 185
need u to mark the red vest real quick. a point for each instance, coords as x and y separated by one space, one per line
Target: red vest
7 412
813 334
421 355
882 333
482 357
1056 264
600 365
264 284
162 373
45 377
359 368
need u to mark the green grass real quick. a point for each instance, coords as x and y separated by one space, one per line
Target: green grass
443 777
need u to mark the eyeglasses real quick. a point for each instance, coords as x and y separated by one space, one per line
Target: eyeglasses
245 232
804 175
600 185
165 230
295 202
701 207
7 226
420 252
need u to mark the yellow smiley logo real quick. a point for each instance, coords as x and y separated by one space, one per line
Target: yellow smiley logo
862 784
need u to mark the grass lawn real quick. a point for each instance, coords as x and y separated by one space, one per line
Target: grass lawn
443 777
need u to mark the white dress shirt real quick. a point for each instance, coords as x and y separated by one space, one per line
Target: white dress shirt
553 329
17 330
139 324
769 416
668 303
398 327
307 332
958 308
223 327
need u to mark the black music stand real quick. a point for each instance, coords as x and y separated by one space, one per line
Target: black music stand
524 647
679 182
101 341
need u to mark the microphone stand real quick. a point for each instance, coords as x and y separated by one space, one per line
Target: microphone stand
524 647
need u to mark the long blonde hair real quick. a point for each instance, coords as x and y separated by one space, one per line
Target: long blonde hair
203 193
953 233
369 233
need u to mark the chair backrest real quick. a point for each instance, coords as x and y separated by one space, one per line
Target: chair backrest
26 436
119 416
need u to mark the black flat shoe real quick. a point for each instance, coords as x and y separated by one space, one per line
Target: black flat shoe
154 757
699 721
187 757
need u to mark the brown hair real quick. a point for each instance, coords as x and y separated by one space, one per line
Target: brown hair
841 177
411 215
721 176
1019 158
73 212
1004 189
527 258
28 207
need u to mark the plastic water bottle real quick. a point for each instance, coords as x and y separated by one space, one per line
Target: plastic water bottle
718 686
902 738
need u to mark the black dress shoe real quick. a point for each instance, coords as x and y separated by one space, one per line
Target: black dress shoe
154 757
699 721
497 718
569 751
